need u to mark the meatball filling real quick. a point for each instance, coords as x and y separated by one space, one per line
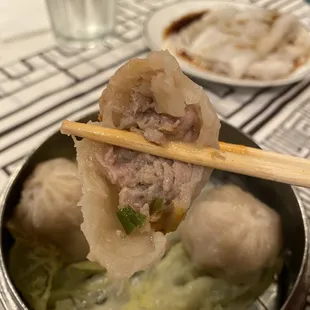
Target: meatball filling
147 183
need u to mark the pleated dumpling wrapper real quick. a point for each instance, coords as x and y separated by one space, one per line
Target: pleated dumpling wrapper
130 199
48 211
232 235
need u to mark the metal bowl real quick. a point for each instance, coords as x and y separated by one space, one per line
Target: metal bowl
288 293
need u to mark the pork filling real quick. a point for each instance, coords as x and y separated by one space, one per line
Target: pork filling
158 128
147 183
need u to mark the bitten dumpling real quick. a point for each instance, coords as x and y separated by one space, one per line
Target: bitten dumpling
232 234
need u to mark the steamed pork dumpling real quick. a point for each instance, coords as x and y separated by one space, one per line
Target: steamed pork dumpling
128 197
154 98
48 210
231 234
120 254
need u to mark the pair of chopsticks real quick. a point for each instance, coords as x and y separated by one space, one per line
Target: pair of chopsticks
230 157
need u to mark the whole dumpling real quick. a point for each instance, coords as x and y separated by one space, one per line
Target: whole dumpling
48 210
231 234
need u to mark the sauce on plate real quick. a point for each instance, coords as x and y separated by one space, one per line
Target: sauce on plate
182 22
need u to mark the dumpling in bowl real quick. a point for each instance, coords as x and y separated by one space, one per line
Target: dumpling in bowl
224 255
237 252
48 210
130 199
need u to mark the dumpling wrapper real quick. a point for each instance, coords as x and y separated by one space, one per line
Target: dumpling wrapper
48 210
160 77
172 90
232 234
120 254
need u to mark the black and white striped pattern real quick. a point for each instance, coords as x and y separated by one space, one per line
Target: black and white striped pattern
39 91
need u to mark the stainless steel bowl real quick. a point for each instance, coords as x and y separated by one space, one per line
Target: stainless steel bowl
288 293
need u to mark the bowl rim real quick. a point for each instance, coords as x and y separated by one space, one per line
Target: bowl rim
9 295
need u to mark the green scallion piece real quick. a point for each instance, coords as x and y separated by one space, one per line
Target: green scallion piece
156 205
130 219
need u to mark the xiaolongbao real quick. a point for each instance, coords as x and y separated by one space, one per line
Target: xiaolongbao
48 209
231 233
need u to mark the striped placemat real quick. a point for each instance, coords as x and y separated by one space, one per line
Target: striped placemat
40 90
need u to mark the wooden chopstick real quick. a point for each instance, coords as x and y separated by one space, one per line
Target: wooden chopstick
234 158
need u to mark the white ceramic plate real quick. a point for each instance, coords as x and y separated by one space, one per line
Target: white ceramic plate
156 25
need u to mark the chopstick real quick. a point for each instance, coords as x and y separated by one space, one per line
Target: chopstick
230 157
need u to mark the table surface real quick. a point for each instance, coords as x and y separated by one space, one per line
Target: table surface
41 84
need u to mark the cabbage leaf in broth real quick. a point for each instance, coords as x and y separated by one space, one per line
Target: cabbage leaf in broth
46 283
